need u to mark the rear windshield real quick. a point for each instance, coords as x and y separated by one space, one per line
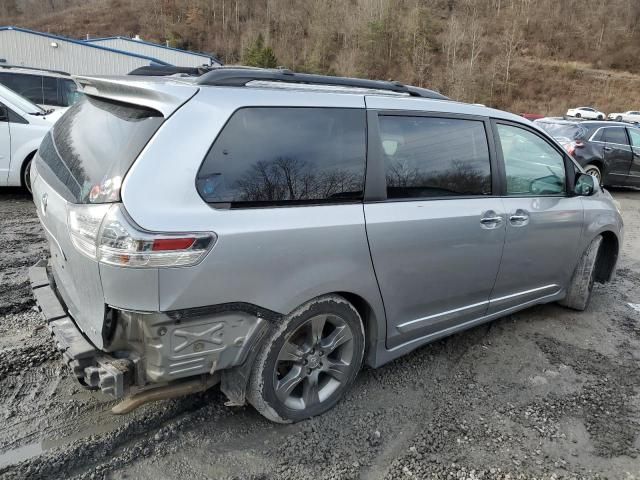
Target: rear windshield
563 131
93 145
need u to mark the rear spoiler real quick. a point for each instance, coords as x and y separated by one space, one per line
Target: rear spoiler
159 93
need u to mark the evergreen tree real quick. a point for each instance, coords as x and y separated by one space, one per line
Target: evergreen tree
259 55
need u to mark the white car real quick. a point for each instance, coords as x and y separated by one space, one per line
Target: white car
46 88
23 125
585 112
632 116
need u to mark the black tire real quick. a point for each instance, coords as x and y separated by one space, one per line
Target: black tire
618 118
594 171
295 366
25 174
578 115
600 117
581 285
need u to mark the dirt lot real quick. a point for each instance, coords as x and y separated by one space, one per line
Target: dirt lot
544 394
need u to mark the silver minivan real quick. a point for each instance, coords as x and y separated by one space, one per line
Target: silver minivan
272 231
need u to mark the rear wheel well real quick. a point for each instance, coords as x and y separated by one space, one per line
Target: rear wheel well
368 319
607 257
25 162
597 163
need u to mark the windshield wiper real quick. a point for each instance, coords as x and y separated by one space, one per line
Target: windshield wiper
42 113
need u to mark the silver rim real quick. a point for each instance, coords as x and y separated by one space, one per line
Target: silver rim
315 360
594 173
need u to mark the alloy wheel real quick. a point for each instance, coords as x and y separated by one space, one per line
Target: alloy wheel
26 176
314 361
594 173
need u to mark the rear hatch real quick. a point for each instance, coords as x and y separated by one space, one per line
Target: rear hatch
82 161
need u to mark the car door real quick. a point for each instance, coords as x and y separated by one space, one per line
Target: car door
544 222
617 156
5 145
634 171
435 229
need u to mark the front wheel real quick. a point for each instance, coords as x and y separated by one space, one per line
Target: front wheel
308 362
581 286
600 117
578 115
618 118
26 175
595 172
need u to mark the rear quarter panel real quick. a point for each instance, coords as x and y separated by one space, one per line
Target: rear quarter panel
276 258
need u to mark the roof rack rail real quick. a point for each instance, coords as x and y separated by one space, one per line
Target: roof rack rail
241 76
60 72
166 70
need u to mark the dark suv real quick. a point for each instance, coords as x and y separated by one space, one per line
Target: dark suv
610 151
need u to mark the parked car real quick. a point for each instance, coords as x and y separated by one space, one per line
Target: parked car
274 231
23 125
585 112
46 88
531 116
632 116
610 151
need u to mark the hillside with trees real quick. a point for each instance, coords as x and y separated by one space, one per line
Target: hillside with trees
521 55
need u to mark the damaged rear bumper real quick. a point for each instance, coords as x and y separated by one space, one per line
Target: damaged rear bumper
153 349
90 366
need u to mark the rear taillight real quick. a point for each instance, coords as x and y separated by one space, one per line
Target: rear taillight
104 232
571 146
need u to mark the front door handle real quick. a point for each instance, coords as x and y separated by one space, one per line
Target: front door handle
607 149
490 219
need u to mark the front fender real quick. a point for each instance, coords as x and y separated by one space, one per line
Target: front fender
600 215
18 157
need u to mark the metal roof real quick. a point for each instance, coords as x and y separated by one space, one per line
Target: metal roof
80 42
152 44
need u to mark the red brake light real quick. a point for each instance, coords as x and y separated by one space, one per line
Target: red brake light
163 244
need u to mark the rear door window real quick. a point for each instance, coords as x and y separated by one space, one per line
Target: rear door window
434 157
615 135
50 92
68 91
93 145
286 156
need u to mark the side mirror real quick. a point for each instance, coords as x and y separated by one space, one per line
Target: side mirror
585 185
4 114
549 185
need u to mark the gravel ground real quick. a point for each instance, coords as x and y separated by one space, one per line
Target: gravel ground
547 393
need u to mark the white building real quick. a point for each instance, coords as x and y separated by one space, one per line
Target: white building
19 46
173 56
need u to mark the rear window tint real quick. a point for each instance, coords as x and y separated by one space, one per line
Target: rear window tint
615 135
95 141
275 156
435 157
50 92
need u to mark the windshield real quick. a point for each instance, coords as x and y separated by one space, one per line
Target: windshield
20 102
563 131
